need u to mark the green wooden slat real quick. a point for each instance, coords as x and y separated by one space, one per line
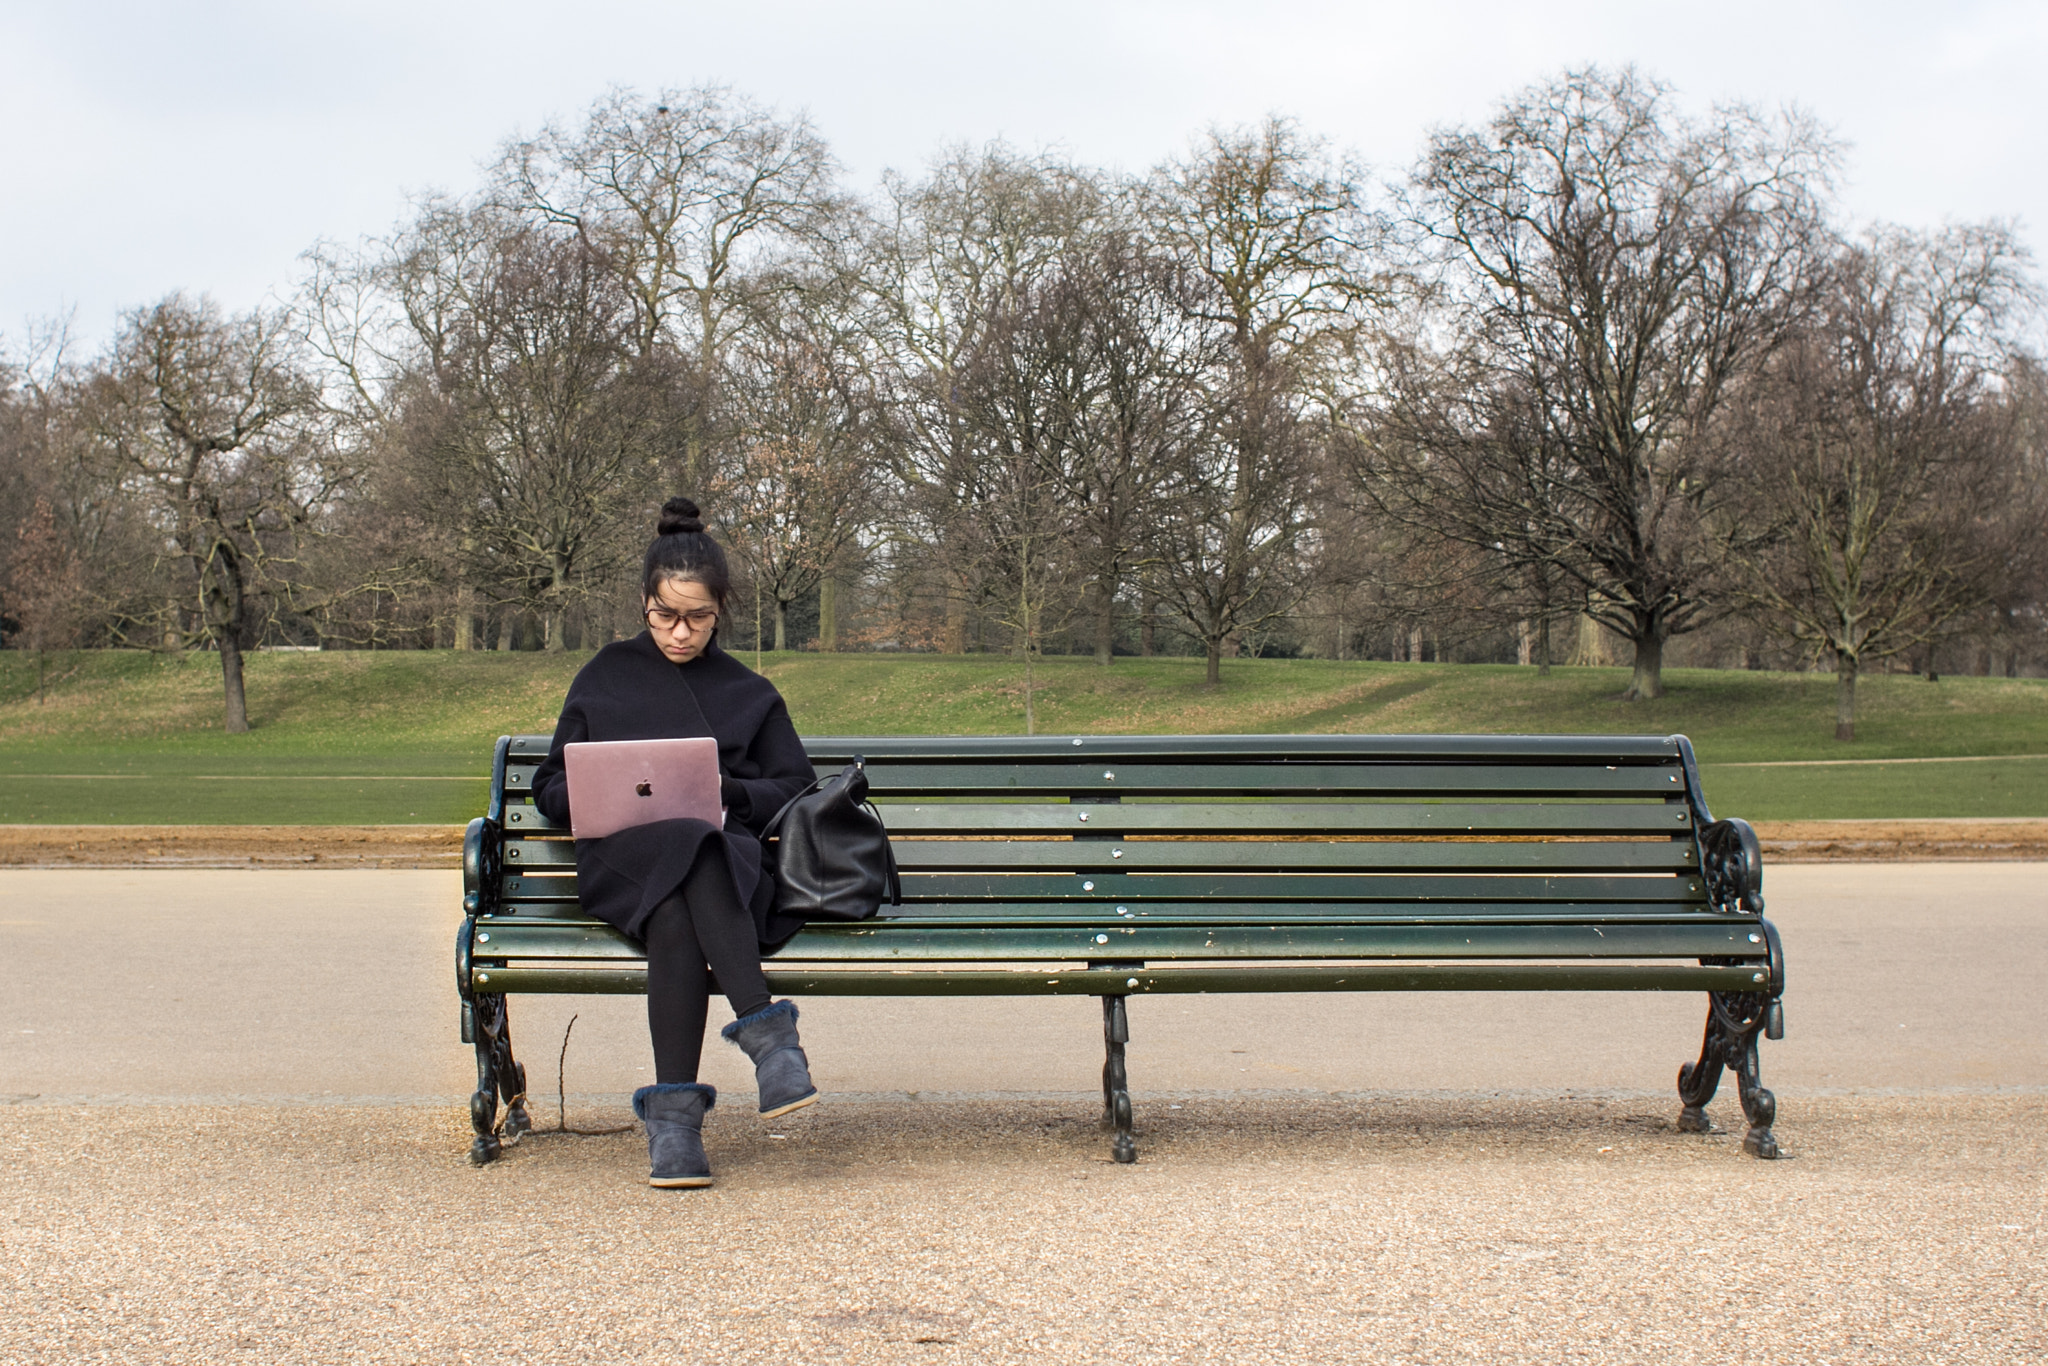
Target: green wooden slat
1282 818
1450 818
1579 975
1102 856
1083 858
840 749
1604 749
1297 780
539 854
519 888
1098 918
1265 887
1154 943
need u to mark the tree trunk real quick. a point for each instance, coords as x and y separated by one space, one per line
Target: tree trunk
1648 680
828 613
231 682
781 624
1543 646
1845 696
1214 677
1415 645
465 617
1105 624
956 625
1525 643
555 631
508 620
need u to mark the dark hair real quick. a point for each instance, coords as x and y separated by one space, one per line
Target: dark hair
682 549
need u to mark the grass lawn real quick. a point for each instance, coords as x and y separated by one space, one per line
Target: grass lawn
401 736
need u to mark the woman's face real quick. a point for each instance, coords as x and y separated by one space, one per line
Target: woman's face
681 617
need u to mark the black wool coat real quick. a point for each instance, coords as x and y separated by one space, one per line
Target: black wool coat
631 691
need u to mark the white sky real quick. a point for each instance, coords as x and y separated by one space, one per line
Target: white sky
146 147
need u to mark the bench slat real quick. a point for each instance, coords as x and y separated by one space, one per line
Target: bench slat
1245 888
888 779
1581 975
1253 818
510 939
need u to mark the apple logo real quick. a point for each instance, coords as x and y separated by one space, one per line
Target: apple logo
645 788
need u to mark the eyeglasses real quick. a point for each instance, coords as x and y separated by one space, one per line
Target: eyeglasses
662 619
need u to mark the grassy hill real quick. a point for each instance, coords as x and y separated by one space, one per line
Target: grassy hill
400 735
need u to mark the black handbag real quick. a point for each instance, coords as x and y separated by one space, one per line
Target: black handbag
831 851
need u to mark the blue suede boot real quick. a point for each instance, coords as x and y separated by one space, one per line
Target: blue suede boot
781 1071
674 1116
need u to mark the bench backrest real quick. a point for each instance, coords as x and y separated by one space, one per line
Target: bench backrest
1392 829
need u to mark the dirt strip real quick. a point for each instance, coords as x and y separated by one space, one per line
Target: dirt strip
231 846
440 846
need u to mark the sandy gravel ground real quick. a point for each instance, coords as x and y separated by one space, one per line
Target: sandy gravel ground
1899 1229
440 846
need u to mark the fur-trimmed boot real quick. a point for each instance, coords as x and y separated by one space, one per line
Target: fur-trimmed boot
674 1116
781 1071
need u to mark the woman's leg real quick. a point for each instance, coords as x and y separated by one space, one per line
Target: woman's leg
678 996
725 931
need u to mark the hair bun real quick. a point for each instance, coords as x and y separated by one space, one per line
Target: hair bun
679 516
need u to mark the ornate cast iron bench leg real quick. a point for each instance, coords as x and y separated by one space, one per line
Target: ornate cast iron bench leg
497 1074
1116 1094
1734 1020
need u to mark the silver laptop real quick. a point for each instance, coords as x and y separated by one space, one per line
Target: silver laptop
617 784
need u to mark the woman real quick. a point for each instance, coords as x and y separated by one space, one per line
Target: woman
694 895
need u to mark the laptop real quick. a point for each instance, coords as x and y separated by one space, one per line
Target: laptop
617 784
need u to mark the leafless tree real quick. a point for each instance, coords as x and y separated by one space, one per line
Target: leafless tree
681 192
1278 239
213 420
535 420
945 269
802 490
1604 269
1888 444
45 588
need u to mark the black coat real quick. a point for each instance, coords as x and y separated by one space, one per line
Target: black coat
631 691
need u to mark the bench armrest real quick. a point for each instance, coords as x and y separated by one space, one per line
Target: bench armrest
1733 862
483 861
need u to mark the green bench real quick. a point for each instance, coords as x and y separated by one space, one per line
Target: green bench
1117 866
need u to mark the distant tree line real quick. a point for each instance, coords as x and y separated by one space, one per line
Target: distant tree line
1596 376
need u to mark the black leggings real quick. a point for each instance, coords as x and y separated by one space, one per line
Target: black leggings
701 926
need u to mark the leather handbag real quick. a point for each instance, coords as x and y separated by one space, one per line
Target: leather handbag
831 851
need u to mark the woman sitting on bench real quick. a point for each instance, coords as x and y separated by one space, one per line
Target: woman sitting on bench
696 896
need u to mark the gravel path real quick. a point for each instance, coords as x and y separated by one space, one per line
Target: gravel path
1899 1229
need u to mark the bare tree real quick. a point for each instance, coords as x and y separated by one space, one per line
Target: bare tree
1605 269
1889 444
45 590
945 269
214 420
681 192
1278 239
537 422
803 488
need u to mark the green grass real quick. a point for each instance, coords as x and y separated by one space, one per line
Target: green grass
129 737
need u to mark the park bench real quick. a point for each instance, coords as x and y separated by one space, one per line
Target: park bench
1117 866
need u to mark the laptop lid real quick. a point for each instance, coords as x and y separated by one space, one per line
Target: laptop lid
617 784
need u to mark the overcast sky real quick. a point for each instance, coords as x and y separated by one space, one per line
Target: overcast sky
158 146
